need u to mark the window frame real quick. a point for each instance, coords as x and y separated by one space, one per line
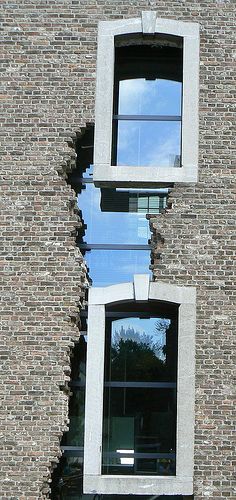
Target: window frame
104 172
141 290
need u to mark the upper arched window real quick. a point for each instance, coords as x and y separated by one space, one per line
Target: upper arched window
146 126
147 111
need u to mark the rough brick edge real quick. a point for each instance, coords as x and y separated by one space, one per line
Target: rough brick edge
67 153
155 222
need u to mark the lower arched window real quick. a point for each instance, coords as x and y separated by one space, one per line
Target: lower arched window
140 382
140 389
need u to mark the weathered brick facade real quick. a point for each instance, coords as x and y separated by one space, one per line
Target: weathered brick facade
49 67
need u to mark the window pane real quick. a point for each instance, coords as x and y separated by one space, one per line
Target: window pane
140 423
138 96
142 143
69 484
107 267
110 227
141 349
139 420
75 435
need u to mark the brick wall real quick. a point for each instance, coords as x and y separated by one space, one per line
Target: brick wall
49 64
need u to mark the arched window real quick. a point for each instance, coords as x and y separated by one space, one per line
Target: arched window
147 111
140 383
146 124
140 389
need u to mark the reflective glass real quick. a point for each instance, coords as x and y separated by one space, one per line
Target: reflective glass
145 143
107 267
141 349
110 227
75 435
139 420
68 483
150 97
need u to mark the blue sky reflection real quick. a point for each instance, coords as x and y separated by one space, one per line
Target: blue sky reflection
149 143
107 267
142 143
149 97
110 227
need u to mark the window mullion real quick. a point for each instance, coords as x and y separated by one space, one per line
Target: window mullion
156 118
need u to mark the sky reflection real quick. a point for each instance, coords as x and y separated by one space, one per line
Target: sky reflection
149 97
142 143
107 267
110 227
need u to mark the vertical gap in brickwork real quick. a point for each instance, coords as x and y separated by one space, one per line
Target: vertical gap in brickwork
67 476
64 481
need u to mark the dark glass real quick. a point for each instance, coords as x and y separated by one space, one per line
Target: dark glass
68 484
148 143
75 435
139 426
107 267
139 431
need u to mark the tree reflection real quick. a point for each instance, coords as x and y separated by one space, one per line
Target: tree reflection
133 361
137 356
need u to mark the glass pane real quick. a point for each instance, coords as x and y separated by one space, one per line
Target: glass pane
75 435
142 143
149 97
107 267
69 479
139 431
141 349
110 227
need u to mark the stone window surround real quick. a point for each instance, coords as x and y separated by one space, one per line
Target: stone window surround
140 290
147 24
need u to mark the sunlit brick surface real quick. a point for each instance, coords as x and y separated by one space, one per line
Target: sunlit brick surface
49 67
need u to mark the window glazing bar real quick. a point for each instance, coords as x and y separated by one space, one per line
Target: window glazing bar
148 118
79 450
77 383
86 180
148 385
93 246
138 455
72 448
134 314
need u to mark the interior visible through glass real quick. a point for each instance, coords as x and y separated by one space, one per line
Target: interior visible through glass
139 423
